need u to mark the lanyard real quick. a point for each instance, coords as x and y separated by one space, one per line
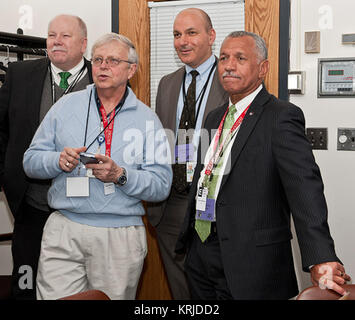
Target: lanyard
71 86
116 111
202 93
216 157
108 133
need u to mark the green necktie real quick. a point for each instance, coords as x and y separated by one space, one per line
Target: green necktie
203 227
64 80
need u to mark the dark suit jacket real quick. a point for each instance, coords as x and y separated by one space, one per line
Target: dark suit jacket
20 100
166 106
273 173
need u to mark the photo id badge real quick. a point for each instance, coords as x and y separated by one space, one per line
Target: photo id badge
201 199
208 213
78 187
190 169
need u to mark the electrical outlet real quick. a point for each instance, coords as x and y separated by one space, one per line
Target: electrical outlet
318 137
346 139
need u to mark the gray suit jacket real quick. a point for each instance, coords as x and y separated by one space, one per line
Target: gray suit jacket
166 106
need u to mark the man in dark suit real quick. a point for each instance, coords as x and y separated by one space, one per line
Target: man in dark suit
30 89
193 39
258 169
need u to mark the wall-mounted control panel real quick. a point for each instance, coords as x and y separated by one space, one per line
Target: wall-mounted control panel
336 77
346 139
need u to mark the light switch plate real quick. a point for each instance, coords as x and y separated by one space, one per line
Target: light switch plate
318 137
346 139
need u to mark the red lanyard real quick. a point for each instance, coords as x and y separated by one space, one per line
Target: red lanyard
108 132
217 155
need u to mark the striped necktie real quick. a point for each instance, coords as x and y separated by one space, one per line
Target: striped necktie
203 227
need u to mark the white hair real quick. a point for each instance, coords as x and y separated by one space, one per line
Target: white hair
109 37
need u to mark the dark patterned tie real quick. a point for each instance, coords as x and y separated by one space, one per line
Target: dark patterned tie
64 80
187 121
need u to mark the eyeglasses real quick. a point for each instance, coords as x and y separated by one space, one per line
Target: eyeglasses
111 62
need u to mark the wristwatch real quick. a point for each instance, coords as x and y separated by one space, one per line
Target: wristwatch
122 179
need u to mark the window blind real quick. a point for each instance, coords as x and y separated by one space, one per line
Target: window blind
226 16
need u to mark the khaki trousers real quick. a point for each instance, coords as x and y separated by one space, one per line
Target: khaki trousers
76 257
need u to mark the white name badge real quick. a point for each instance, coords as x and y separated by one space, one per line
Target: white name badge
201 199
190 169
78 187
109 188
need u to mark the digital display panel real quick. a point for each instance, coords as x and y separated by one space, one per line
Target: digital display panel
336 77
336 72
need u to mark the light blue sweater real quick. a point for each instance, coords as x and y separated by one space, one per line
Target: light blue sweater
139 144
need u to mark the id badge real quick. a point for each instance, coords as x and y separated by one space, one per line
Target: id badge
207 214
109 188
184 153
77 187
201 199
190 169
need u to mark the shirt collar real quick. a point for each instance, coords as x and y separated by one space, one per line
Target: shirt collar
202 68
246 101
73 71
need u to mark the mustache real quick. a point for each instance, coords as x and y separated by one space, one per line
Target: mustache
230 74
184 48
57 48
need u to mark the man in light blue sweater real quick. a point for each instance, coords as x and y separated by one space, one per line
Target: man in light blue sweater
96 238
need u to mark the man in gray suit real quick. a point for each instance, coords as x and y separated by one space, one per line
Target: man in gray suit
184 99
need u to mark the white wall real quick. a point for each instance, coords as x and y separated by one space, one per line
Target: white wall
33 17
332 18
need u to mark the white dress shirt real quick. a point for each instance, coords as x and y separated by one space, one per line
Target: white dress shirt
226 165
203 70
74 72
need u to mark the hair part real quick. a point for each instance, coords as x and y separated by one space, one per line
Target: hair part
110 37
260 44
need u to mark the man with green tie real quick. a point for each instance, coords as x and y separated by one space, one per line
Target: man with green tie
30 89
258 169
